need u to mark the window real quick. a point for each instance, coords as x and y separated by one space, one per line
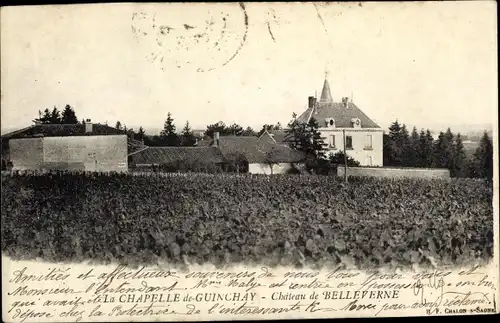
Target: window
369 161
368 142
348 142
331 141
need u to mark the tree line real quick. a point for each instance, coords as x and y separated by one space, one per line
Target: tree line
66 116
400 149
169 136
420 149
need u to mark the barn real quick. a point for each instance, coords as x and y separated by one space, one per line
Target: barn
261 155
74 147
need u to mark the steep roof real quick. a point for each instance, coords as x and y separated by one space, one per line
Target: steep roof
255 150
62 130
162 155
340 113
326 95
327 108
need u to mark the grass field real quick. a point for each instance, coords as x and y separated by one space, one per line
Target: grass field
278 220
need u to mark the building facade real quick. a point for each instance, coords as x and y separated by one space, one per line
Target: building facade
89 147
343 124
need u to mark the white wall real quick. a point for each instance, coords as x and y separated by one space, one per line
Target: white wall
281 168
388 172
359 151
89 153
26 153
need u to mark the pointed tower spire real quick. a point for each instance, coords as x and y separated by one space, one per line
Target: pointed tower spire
326 95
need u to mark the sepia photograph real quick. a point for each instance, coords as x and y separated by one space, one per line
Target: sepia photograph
321 137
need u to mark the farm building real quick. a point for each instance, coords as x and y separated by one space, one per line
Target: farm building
78 147
197 158
344 121
260 154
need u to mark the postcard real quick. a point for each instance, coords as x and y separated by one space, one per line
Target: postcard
249 161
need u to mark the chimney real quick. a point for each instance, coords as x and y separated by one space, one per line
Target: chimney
88 126
311 101
345 102
216 140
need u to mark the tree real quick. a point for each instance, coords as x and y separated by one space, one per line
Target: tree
69 115
413 149
306 138
234 130
443 150
187 136
269 127
482 164
219 127
440 147
140 134
272 158
425 149
55 116
130 133
237 162
394 146
459 160
46 117
168 135
249 132
118 125
317 145
338 159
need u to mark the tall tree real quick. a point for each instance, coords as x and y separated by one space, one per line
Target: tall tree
394 146
405 146
55 116
69 115
317 146
295 134
483 158
187 137
425 149
168 135
441 146
234 130
413 149
46 116
459 160
140 134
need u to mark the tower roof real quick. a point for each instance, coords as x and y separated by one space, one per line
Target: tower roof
326 95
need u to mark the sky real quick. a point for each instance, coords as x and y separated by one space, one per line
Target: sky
423 63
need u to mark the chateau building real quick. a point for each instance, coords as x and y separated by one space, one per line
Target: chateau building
344 121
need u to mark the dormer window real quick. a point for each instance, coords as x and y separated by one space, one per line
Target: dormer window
356 123
330 122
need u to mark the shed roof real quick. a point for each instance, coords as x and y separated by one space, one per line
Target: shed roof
255 150
163 155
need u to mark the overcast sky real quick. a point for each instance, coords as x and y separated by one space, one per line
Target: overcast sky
423 63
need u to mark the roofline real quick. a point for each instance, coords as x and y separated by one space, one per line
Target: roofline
10 134
138 151
266 132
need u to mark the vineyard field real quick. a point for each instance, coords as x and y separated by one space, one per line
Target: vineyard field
292 220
